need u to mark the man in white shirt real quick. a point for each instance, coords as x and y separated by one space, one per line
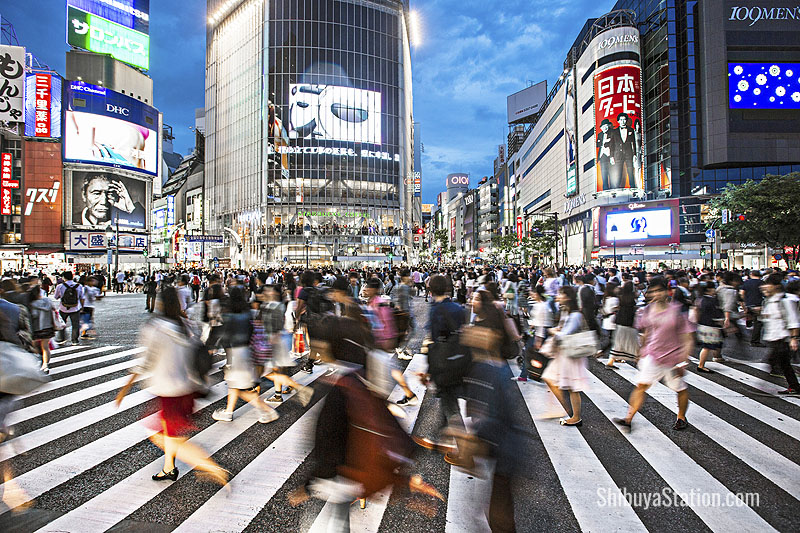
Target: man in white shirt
120 281
781 329
70 296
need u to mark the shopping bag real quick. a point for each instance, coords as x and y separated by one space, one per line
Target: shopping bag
19 370
58 322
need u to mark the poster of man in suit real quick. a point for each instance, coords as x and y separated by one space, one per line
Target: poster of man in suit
618 128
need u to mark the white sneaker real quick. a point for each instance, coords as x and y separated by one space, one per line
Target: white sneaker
269 416
221 415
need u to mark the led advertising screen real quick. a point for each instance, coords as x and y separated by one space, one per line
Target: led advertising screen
133 14
107 128
333 113
43 105
102 198
764 85
618 128
651 223
96 34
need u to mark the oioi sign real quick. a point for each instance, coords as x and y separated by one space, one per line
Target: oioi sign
96 34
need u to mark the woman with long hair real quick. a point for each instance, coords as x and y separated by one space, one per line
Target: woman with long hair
42 324
168 360
626 338
564 372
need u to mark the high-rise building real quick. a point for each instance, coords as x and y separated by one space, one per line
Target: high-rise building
308 128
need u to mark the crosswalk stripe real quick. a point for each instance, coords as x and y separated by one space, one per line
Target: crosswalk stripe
60 402
467 500
95 361
76 355
769 463
581 473
250 489
369 518
78 378
67 349
680 472
753 382
113 505
757 410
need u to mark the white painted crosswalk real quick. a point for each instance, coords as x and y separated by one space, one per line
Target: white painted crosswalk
90 467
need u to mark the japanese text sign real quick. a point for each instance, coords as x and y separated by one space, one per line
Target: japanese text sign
8 183
12 83
97 34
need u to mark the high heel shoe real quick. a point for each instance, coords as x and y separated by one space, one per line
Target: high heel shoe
172 475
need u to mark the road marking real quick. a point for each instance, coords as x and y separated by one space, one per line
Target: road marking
85 376
752 381
581 473
95 361
76 355
674 466
113 505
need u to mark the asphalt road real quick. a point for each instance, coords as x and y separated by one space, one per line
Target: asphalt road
77 464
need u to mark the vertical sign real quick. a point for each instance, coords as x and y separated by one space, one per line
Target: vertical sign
8 183
519 228
12 83
171 210
417 184
42 105
618 128
570 127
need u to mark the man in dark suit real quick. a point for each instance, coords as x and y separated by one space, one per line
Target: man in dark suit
605 151
625 152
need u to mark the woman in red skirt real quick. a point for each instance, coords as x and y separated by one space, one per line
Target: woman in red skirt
172 379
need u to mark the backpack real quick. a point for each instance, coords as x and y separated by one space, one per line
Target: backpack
317 304
70 296
196 280
449 360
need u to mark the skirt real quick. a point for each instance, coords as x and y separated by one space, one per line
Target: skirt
567 373
709 337
44 334
626 343
175 415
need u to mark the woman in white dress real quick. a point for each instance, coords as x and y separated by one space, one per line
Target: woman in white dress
566 373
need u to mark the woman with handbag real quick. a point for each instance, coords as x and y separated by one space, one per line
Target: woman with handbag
567 371
625 343
240 372
173 380
709 318
42 324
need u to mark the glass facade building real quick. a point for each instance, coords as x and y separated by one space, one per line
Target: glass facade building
308 106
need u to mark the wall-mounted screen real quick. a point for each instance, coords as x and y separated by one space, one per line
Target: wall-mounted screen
639 225
764 85
333 113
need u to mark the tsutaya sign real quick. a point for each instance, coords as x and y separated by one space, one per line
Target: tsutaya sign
345 152
754 14
574 203
381 240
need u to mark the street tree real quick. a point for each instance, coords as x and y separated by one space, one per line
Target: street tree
765 212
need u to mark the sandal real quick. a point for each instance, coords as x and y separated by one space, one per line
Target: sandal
171 475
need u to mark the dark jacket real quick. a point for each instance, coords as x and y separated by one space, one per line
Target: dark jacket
444 318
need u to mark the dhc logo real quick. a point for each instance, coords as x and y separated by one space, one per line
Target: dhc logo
111 108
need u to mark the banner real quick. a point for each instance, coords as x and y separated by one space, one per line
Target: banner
618 128
95 241
570 127
12 83
43 105
8 183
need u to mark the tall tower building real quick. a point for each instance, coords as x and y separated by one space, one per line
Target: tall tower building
308 128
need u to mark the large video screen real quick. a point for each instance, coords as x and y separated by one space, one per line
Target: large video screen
107 128
619 133
102 198
639 225
333 113
764 85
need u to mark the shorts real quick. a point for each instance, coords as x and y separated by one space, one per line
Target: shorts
651 371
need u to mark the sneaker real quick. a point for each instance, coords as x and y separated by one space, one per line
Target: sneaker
275 398
519 378
680 424
718 359
269 416
308 367
221 415
413 400
626 426
788 391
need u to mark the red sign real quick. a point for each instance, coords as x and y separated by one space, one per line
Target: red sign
42 105
618 128
7 184
42 202
519 228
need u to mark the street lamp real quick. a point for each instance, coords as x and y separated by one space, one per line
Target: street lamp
613 232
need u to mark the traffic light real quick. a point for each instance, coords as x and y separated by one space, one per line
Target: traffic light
740 217
419 231
702 251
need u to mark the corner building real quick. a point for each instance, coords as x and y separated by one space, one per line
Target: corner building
309 129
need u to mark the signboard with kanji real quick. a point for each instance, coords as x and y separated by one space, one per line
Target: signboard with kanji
95 241
43 105
12 83
8 183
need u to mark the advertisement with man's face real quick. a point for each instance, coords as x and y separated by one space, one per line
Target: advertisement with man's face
101 199
107 128
618 128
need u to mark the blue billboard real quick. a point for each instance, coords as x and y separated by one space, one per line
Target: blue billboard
133 14
764 85
104 127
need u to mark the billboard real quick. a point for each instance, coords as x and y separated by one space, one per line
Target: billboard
764 85
522 105
96 34
43 105
649 223
107 128
95 241
458 181
8 183
619 133
570 127
133 14
12 83
101 198
334 113
42 201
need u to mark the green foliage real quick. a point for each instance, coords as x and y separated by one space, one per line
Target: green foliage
771 208
541 240
440 238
